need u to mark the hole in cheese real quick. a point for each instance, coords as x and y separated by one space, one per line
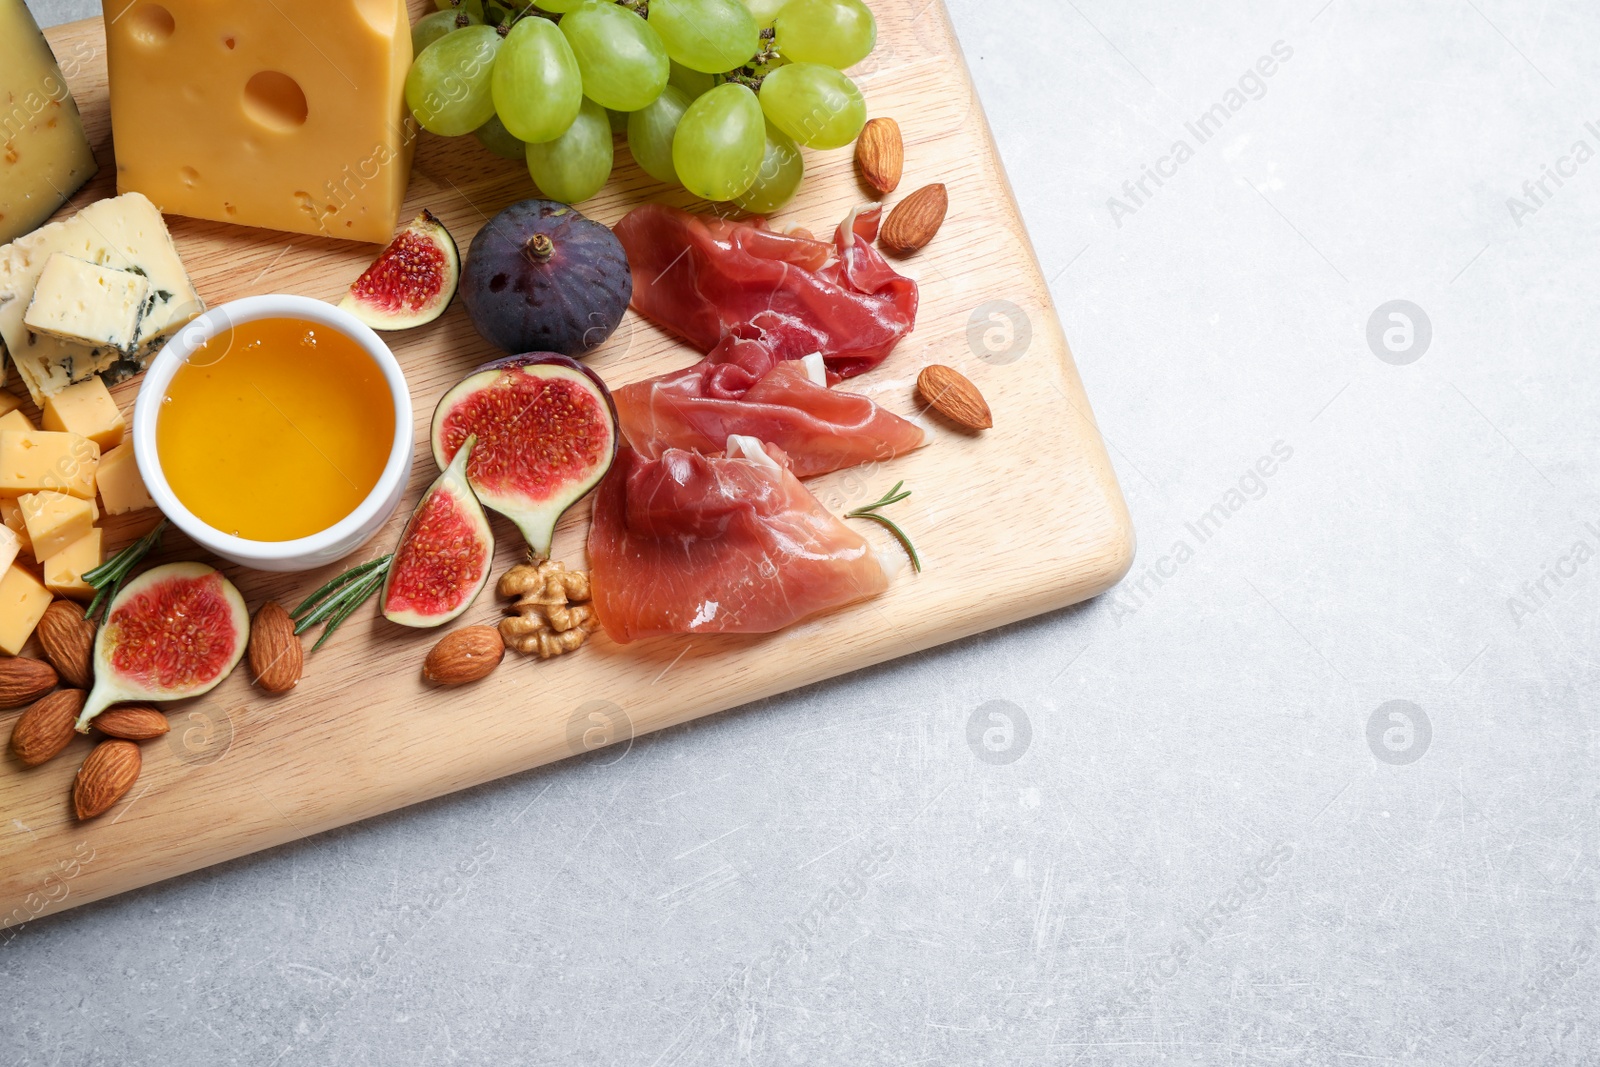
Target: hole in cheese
229 43
275 100
189 175
150 23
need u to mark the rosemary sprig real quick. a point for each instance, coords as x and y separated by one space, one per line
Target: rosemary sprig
870 513
107 578
338 600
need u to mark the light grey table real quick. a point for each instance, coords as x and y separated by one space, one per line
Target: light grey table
1316 786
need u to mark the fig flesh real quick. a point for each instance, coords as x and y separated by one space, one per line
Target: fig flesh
446 553
411 282
175 631
546 433
542 278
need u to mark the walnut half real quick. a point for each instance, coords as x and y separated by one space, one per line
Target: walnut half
552 615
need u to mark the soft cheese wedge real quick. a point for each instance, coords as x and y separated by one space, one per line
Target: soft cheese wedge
289 114
124 233
44 155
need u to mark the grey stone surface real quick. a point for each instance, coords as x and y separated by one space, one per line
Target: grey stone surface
1221 843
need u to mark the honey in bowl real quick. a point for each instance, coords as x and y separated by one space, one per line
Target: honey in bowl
275 429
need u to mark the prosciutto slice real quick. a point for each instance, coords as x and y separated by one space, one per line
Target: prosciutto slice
705 278
743 389
732 543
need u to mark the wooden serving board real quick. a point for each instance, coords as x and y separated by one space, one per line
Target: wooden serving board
1020 520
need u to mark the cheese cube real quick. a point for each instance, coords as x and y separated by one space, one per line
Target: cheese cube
64 571
14 420
54 521
44 157
37 461
121 487
87 410
9 402
10 547
11 515
23 600
125 232
88 304
289 115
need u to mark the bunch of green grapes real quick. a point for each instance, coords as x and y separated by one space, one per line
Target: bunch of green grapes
717 96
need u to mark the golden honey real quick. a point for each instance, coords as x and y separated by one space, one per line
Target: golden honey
275 429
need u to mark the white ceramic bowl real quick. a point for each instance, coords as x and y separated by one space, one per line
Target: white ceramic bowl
304 553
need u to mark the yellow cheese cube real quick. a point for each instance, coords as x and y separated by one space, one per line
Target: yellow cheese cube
23 599
54 521
11 514
9 402
121 488
10 547
14 421
87 410
64 571
289 115
37 461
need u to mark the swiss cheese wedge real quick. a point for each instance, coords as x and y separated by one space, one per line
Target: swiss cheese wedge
288 115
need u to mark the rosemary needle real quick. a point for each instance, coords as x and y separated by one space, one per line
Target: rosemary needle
107 578
870 513
338 600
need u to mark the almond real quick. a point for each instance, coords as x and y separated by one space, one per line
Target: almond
105 777
881 155
68 642
47 727
466 655
276 658
949 393
132 722
915 220
24 680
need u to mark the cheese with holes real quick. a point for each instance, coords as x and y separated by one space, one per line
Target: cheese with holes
44 155
126 233
121 487
88 410
23 600
289 115
55 520
38 461
64 571
88 304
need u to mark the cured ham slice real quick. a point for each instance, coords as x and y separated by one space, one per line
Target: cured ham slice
742 389
689 543
705 278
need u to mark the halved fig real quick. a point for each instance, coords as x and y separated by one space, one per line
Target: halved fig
411 282
173 632
446 552
546 433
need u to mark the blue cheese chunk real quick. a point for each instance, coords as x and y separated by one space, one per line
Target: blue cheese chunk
88 304
124 233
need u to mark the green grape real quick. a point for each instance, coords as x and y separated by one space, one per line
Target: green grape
778 177
691 83
574 166
537 87
765 11
706 35
494 136
651 130
448 87
558 6
814 104
618 120
835 33
623 61
431 27
720 143
471 7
